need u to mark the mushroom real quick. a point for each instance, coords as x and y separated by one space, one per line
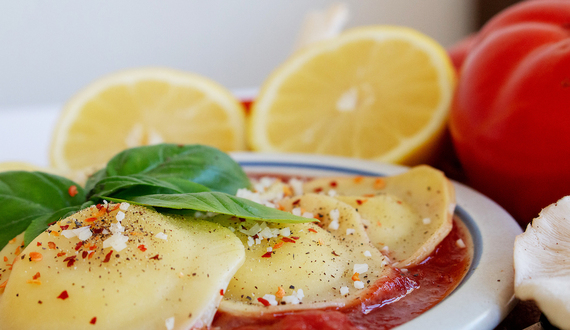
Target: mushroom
542 263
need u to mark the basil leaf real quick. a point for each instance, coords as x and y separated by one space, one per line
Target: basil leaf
197 163
41 223
140 185
216 202
24 196
94 178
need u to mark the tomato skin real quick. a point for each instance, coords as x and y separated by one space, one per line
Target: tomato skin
510 120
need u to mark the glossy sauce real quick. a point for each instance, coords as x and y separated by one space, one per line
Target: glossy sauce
429 283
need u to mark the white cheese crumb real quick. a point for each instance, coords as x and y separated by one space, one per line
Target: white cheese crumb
257 241
300 294
460 243
120 216
82 233
332 193
285 232
269 249
169 323
297 186
350 231
232 229
367 253
116 241
296 211
124 206
404 270
334 225
360 268
161 235
270 299
290 300
385 249
359 284
344 290
250 241
426 221
308 215
334 214
116 228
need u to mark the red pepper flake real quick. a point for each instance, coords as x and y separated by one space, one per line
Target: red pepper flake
335 254
241 219
5 259
12 241
295 237
63 295
263 301
35 256
155 257
312 230
99 206
39 244
355 277
361 201
278 245
78 245
72 191
97 231
91 255
3 285
64 227
17 251
84 254
35 277
61 254
99 213
379 183
280 292
93 320
70 261
267 255
141 247
221 292
90 219
358 179
296 202
368 195
321 243
108 256
379 223
92 247
333 184
287 240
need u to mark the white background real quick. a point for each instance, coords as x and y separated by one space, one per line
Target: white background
51 49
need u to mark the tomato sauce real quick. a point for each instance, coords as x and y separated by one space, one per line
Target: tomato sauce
429 283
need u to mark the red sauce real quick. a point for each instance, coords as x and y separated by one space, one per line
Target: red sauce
431 281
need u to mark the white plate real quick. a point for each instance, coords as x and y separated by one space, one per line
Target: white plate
486 294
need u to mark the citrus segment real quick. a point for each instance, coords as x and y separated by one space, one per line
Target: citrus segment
375 92
141 107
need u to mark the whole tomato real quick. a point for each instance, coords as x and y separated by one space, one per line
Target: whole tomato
510 120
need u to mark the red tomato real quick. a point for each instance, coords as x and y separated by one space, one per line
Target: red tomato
510 121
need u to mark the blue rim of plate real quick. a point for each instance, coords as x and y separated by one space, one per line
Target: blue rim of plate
485 296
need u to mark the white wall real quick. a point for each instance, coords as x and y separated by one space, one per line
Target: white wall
51 49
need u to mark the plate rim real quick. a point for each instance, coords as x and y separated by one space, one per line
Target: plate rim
489 285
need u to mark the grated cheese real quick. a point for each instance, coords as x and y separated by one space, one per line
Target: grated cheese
344 290
359 284
169 323
161 235
360 268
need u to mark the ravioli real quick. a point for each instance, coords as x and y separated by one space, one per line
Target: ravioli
121 269
310 259
406 215
7 257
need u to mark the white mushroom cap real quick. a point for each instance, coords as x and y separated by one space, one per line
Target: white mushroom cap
542 263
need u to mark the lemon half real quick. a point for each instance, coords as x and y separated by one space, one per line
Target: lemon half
145 106
379 92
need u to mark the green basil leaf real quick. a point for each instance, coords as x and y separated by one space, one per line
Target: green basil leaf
140 185
197 163
216 202
94 178
42 222
25 196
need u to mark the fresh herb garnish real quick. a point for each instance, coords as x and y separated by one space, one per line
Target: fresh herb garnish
167 176
214 202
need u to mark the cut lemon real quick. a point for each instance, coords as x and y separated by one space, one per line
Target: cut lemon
145 106
378 92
